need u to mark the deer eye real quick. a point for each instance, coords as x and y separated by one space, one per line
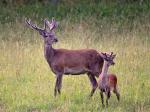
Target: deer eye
45 35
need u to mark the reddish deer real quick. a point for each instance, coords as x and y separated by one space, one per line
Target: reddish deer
63 61
107 82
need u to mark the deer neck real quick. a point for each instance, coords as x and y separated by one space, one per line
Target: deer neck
104 69
48 52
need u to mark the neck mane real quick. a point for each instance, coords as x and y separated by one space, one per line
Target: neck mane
48 52
104 69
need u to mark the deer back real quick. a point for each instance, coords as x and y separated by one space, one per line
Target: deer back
76 61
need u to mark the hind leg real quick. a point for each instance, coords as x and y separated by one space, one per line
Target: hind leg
93 83
117 93
102 98
108 96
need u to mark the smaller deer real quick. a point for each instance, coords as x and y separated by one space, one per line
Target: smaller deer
107 82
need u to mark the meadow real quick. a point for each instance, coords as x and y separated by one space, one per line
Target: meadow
27 83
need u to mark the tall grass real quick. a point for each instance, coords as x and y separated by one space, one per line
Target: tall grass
27 83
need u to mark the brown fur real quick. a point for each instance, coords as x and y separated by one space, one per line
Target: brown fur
107 82
63 61
74 62
88 59
111 85
112 81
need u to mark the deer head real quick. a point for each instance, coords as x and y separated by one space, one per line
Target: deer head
47 33
108 57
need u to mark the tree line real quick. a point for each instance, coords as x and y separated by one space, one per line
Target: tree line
24 2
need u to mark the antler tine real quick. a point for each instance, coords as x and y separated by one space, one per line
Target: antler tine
27 21
46 23
111 54
32 25
102 53
105 54
53 19
51 25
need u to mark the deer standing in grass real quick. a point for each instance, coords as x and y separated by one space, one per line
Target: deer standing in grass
63 61
107 82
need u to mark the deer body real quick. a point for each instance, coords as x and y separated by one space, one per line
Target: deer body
63 61
107 82
73 62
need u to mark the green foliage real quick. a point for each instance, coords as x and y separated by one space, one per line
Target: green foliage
77 11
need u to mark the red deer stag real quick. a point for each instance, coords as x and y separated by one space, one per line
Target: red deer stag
107 82
63 61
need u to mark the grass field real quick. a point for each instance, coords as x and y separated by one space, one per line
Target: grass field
27 83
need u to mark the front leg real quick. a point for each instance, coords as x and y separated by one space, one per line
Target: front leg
107 96
93 83
58 84
102 98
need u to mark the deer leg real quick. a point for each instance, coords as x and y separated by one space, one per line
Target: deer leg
55 90
108 96
58 84
117 93
102 98
93 83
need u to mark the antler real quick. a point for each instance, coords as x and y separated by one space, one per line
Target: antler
46 23
28 22
51 25
111 54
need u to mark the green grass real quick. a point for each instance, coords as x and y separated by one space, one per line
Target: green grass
27 83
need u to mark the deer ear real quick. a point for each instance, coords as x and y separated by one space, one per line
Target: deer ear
103 55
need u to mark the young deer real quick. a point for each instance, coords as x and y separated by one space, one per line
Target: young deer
63 61
107 82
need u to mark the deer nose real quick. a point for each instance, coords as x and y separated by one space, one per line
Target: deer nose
56 40
113 63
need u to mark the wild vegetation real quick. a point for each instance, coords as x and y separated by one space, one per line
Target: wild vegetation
26 81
